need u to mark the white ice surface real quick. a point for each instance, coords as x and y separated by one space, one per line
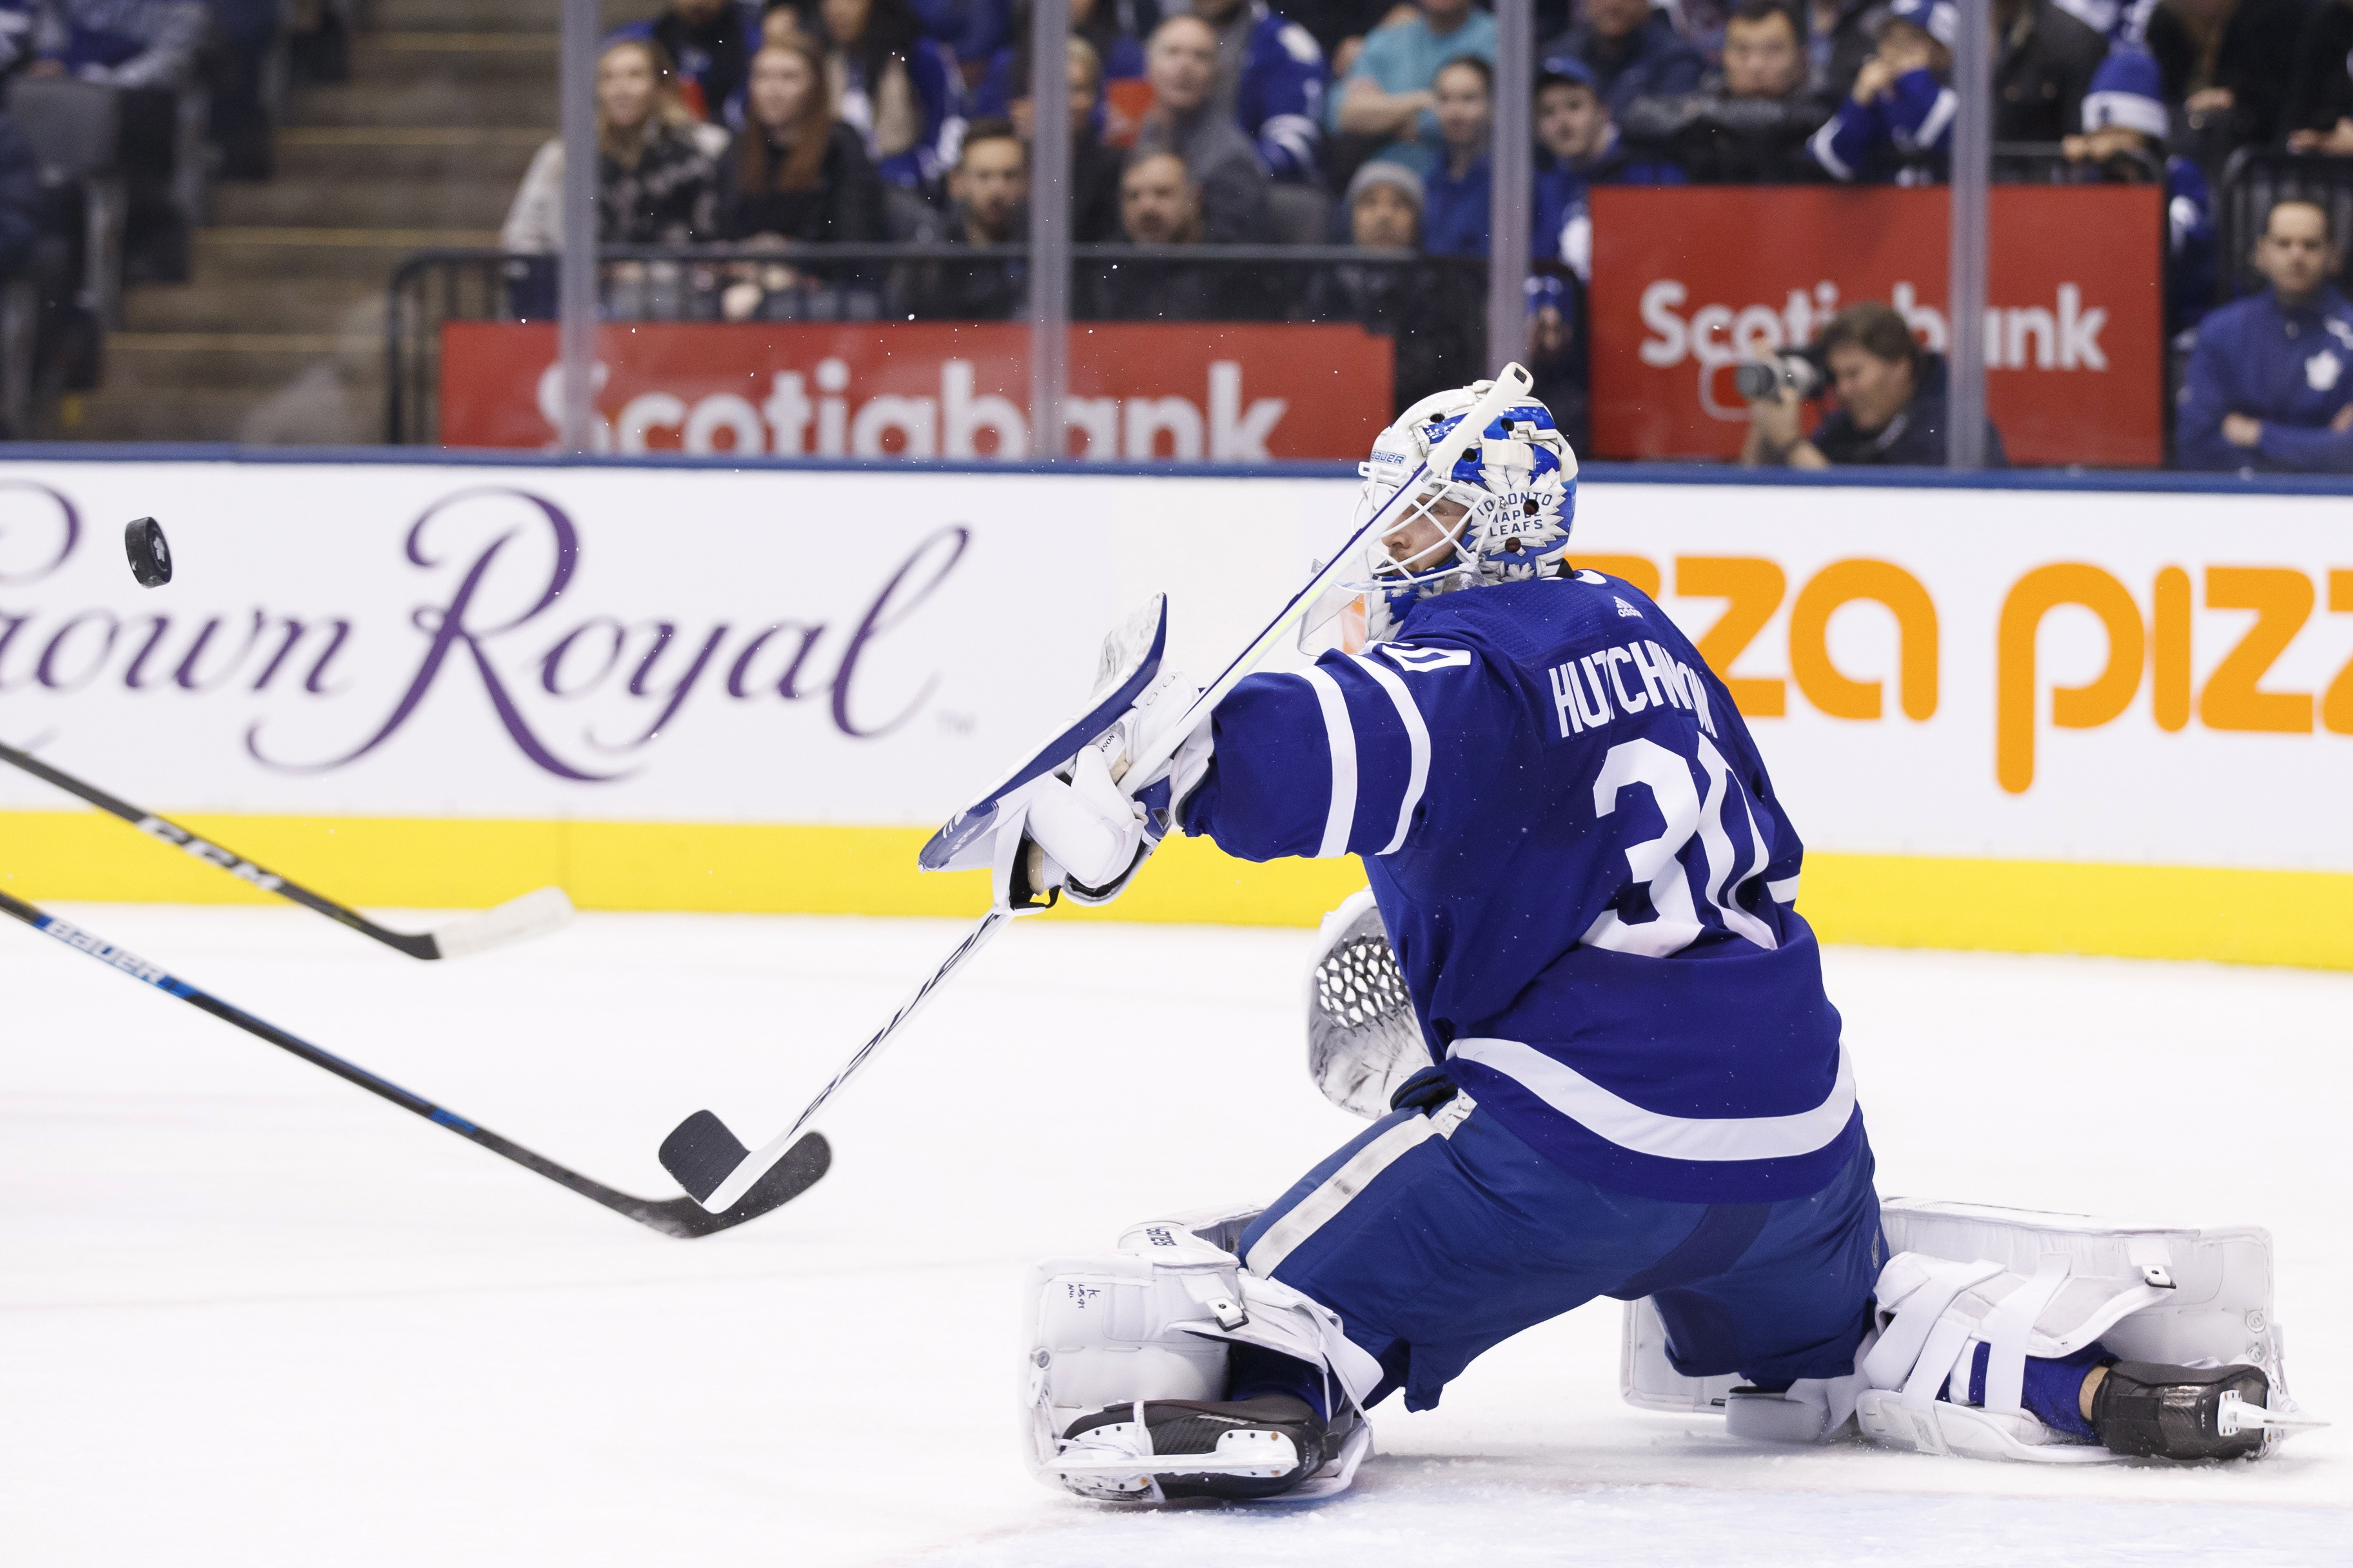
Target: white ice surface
250 1315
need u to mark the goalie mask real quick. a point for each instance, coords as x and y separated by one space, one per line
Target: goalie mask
1516 487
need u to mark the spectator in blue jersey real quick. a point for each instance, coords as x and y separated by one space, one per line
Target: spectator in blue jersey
1270 80
1896 123
710 43
2268 386
2124 126
897 89
1632 51
1893 398
1578 146
1181 63
1459 193
1387 94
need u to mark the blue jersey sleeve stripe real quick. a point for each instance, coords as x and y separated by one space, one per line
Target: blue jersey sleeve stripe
1342 737
1630 1126
1416 734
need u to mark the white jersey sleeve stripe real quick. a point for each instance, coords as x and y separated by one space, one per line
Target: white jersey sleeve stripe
1341 735
1630 1126
1416 734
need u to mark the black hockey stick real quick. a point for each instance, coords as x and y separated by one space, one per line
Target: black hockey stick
533 914
683 1217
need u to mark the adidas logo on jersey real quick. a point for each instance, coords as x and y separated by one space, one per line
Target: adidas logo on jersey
1624 608
1583 689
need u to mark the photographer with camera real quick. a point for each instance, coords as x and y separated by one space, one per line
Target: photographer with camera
1891 398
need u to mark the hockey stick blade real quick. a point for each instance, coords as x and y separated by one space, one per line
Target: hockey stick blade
792 1172
533 914
710 1162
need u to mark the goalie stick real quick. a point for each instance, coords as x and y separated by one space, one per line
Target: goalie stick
535 913
793 1174
714 1164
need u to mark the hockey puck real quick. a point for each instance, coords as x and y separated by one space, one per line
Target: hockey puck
151 557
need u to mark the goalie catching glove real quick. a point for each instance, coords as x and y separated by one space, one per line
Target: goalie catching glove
1086 831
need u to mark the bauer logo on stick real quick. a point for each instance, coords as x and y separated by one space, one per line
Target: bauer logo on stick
151 556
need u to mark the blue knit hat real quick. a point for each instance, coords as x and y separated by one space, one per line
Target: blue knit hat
2127 90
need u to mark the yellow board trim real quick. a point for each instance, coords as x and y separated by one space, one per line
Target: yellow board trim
2300 918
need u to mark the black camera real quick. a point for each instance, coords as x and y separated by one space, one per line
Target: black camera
1802 371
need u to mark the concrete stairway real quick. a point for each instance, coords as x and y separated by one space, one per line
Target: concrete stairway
278 338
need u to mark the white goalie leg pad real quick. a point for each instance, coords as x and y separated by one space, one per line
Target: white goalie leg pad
2027 1284
1152 1321
2171 1294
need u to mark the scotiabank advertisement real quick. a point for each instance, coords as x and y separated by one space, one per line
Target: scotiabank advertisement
1688 283
1206 391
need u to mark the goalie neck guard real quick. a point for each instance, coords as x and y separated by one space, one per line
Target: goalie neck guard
1517 486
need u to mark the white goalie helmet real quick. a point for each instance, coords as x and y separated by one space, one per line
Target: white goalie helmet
1517 486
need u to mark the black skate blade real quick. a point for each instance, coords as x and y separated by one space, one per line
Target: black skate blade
699 1154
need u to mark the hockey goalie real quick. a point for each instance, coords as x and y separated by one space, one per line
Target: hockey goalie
1590 1026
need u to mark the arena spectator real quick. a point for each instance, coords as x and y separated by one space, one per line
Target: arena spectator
1839 36
1385 204
655 177
1576 136
1897 122
149 50
2266 387
1270 81
1634 52
2043 61
707 43
1577 146
1160 204
1106 27
120 43
1459 193
1094 167
1748 124
245 36
1385 94
2124 136
988 192
20 205
2318 115
796 172
2229 64
897 89
1891 398
1436 325
1181 63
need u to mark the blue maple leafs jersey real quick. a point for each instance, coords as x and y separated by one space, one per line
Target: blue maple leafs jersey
1585 873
